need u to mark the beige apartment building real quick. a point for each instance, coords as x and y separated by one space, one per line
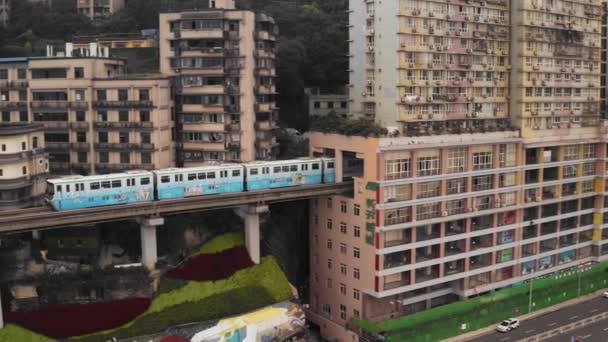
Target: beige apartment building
96 118
99 9
23 165
498 171
222 61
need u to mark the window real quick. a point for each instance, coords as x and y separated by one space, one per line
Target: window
144 95
329 224
144 116
430 189
23 146
125 158
329 283
165 179
396 216
343 206
343 248
102 95
397 169
123 137
342 227
342 312
481 183
82 157
427 211
588 169
330 244
317 104
482 160
428 166
80 116
78 72
571 152
6 116
24 170
23 116
357 210
123 94
21 74
589 151
343 269
456 160
116 184
145 138
356 273
356 294
329 204
3 74
356 252
456 186
357 231
104 157
343 289
145 181
123 116
329 264
35 142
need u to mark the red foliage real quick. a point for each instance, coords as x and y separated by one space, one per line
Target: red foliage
205 267
173 339
62 321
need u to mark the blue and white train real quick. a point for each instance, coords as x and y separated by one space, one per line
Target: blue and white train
79 192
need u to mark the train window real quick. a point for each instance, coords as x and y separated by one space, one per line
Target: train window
94 186
67 188
145 181
77 186
211 175
330 165
223 174
202 175
285 168
265 170
105 185
253 172
59 188
116 184
236 173
192 176
304 167
277 169
315 166
293 168
81 186
165 179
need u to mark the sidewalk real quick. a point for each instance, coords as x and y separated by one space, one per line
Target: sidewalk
477 333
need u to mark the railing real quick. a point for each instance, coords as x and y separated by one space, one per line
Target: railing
569 327
124 146
13 105
123 104
50 104
107 124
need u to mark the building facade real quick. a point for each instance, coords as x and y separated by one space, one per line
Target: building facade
498 175
23 165
320 104
96 118
222 61
99 9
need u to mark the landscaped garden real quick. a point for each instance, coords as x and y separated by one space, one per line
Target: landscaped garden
243 288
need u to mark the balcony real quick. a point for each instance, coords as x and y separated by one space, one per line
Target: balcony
56 124
428 232
13 105
79 125
14 85
548 245
57 146
397 259
124 146
84 105
123 124
265 125
453 267
480 261
548 228
454 247
123 104
427 253
396 280
455 227
397 238
80 146
427 274
482 222
50 105
233 127
480 242
104 168
530 232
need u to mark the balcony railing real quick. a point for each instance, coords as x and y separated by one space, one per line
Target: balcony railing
123 104
52 145
50 104
81 146
107 124
124 146
13 105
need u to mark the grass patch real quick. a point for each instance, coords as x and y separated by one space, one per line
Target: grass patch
221 243
12 332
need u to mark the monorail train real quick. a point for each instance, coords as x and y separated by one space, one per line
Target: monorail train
78 192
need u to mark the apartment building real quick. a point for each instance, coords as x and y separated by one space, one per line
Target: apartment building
99 9
23 165
222 61
498 171
322 103
96 118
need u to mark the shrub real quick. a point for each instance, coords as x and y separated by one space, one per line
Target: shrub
216 266
15 333
221 243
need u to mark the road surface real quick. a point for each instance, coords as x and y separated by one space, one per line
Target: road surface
554 320
597 332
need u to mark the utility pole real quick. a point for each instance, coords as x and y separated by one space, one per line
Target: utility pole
578 273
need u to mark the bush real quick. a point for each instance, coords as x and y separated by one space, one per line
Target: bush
221 243
333 123
15 333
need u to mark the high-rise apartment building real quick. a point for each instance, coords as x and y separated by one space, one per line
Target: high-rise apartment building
222 61
99 9
96 118
23 165
498 173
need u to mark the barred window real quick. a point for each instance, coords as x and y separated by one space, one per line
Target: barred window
589 151
396 216
588 169
397 169
428 166
456 160
427 211
571 152
569 171
398 193
589 186
456 186
429 189
482 160
455 207
481 183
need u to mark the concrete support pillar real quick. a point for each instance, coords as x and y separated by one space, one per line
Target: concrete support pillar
251 218
149 251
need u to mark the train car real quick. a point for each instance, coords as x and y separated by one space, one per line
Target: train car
329 170
283 173
198 181
78 192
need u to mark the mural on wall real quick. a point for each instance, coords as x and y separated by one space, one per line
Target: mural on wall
273 323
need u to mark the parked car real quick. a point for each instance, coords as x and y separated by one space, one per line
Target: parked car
605 294
508 325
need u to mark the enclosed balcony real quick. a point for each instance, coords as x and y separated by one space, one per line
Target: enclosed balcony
550 210
427 274
585 236
569 189
550 174
569 207
480 261
531 156
548 245
567 241
453 267
480 242
455 227
532 176
397 237
586 220
454 247
550 192
529 249
482 222
427 253
397 259
569 223
530 231
530 213
394 281
428 232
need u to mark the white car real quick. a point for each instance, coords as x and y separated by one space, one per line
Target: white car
508 325
605 294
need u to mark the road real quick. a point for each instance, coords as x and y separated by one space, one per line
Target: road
597 332
552 321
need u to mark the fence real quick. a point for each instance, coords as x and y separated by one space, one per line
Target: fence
466 316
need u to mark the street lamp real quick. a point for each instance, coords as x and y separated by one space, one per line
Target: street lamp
530 295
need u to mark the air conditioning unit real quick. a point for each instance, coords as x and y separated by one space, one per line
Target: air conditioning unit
444 214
